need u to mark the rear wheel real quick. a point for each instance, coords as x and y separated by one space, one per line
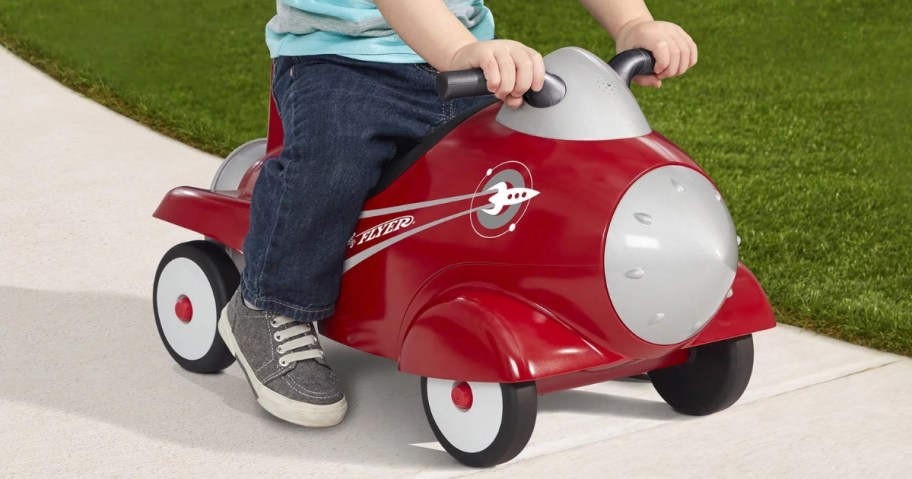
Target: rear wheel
712 379
480 424
236 165
192 284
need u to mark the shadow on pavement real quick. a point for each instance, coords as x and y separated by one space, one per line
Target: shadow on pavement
98 355
598 404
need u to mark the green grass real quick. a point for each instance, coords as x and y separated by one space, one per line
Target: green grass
799 110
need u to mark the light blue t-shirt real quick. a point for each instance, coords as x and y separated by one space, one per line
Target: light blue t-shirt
356 29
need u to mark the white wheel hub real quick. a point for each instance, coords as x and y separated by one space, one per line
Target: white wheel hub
469 430
183 282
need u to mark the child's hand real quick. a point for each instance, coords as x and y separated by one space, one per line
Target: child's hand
511 68
672 47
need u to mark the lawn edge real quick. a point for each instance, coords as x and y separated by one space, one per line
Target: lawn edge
99 92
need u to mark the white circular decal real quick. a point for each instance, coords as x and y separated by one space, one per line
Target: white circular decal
507 188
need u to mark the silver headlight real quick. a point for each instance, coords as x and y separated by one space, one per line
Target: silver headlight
670 255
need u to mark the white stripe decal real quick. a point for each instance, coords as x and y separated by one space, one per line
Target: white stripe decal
414 206
367 253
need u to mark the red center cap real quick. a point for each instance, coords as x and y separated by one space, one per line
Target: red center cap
462 396
183 309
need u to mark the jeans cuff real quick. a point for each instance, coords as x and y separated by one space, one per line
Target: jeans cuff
298 313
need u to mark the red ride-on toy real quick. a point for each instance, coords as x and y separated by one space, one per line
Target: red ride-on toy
513 253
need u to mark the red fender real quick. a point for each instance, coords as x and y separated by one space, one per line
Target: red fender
746 311
483 335
219 216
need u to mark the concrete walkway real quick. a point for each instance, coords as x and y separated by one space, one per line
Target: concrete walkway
87 389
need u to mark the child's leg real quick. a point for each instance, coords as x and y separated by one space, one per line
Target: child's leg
343 119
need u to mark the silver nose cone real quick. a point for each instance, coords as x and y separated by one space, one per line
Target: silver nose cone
670 255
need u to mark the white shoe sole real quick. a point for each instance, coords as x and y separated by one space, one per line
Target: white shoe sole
296 412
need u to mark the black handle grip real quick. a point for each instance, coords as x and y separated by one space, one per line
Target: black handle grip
465 83
631 63
461 84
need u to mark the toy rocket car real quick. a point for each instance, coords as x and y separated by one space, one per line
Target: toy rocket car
513 253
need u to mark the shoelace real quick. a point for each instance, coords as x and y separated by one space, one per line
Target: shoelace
304 336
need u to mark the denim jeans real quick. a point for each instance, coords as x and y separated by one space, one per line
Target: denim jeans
343 120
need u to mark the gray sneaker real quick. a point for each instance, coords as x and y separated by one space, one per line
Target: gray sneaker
284 364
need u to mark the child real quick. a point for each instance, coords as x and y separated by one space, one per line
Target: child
354 89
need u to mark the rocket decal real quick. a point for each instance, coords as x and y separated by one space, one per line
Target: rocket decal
495 209
504 196
501 199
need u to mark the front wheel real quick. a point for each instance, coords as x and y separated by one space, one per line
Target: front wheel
712 379
192 284
480 424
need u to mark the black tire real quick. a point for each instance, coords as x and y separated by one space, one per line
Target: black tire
223 278
520 408
713 378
